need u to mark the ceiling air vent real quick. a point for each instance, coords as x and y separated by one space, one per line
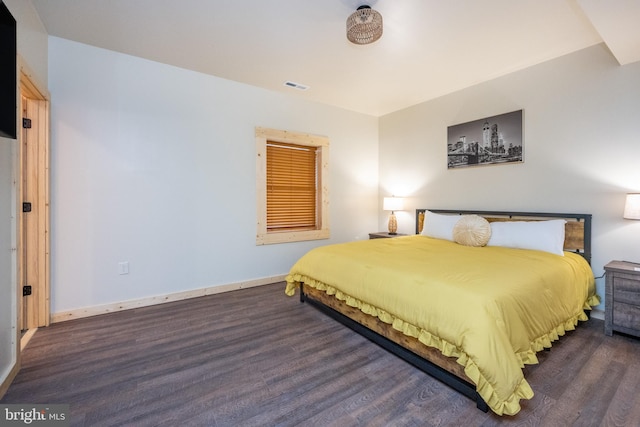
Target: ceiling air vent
296 85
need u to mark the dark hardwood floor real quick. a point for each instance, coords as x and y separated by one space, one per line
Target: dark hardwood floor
255 357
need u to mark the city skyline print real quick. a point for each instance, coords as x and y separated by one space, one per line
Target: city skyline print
488 141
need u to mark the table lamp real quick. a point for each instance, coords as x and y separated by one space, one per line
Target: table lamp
632 206
393 204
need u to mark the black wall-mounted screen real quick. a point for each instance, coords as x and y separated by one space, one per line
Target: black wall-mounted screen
8 76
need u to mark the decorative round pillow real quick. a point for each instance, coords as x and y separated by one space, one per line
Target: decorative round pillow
472 230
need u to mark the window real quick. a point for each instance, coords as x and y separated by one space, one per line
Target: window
292 186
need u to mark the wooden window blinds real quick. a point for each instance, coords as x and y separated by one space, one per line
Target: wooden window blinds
292 187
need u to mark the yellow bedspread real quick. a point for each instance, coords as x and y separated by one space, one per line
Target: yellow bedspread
492 308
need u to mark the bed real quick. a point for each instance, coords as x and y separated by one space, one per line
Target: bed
466 314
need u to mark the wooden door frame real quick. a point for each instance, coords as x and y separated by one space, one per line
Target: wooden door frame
39 313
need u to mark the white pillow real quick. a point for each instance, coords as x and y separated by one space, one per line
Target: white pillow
545 236
439 226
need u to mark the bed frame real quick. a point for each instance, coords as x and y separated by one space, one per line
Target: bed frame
427 359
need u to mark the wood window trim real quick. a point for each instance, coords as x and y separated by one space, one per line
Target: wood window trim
264 237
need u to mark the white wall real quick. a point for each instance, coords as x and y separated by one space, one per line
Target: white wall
581 148
155 165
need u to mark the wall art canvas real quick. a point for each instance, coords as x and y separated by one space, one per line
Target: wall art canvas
489 141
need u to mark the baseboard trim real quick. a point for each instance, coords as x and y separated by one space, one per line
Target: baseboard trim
26 337
160 299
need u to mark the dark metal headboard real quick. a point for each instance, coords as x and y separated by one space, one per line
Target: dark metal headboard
577 228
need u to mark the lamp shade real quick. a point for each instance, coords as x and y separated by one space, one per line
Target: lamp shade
393 204
632 206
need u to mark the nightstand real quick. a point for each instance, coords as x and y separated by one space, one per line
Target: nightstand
622 298
384 235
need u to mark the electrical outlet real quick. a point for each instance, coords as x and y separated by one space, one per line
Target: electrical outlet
123 267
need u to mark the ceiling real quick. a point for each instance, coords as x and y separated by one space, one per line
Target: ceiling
429 47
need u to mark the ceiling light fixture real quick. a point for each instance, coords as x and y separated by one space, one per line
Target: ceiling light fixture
364 26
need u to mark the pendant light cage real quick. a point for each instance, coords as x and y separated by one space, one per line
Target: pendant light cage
364 26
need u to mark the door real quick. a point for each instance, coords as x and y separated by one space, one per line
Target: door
33 229
24 238
9 337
